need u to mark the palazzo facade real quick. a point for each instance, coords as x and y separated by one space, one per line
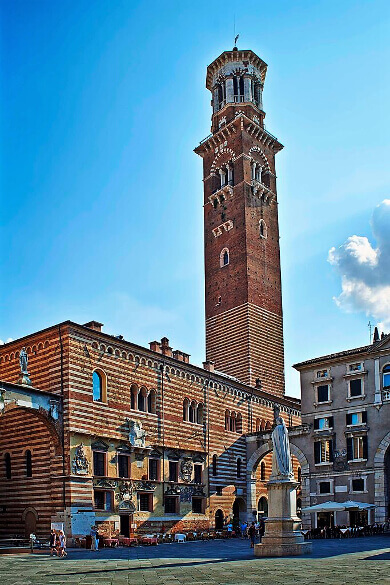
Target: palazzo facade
141 439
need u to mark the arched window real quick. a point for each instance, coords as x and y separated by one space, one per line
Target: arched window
299 472
257 425
142 399
28 463
215 462
7 461
239 423
192 412
262 471
239 467
199 414
186 405
268 426
262 425
98 384
152 401
386 377
262 229
134 397
224 258
227 420
232 425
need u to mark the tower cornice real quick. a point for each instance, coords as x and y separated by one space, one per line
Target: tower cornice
240 122
231 57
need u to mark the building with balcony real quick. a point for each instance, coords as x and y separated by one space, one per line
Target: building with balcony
346 413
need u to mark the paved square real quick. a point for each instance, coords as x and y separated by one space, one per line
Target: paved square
351 561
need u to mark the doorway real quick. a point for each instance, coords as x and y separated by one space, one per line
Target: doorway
358 518
124 525
30 524
325 520
218 520
262 508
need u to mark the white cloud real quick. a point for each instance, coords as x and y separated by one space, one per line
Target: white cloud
365 269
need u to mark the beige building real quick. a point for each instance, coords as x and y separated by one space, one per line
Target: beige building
345 432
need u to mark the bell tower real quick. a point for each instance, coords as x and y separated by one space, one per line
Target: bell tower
244 322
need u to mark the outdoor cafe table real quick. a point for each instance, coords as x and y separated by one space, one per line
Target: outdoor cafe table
128 541
111 542
149 539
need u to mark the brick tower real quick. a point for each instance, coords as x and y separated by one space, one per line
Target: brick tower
244 323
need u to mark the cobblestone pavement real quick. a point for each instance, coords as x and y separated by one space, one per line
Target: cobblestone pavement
336 562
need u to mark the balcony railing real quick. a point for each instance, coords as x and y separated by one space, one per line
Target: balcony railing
386 394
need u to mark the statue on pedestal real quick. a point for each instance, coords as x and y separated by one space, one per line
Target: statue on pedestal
281 457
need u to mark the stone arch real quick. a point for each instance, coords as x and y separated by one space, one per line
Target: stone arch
381 498
43 416
262 156
223 151
254 461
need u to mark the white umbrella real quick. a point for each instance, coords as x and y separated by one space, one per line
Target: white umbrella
325 507
350 504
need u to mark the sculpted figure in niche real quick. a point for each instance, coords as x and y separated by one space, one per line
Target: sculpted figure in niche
186 468
137 435
23 360
281 456
80 465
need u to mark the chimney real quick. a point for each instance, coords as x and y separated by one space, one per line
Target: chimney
178 355
208 365
165 347
186 358
95 325
376 335
155 346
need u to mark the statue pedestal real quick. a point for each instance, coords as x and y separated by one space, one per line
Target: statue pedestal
283 535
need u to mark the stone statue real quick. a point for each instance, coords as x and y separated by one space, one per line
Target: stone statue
281 456
186 468
23 360
80 465
136 434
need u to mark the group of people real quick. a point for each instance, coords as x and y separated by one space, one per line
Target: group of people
57 543
253 530
347 531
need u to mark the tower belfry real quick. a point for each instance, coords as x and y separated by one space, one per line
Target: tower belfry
244 323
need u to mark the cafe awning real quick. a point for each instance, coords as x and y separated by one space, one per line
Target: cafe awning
325 507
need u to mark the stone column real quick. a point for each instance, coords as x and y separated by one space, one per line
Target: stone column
247 90
229 90
251 503
230 174
378 393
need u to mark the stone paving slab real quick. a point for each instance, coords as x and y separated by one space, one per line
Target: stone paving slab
332 562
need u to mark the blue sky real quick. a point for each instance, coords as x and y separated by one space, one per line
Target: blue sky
102 104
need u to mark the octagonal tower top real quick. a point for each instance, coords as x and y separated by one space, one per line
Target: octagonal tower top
236 78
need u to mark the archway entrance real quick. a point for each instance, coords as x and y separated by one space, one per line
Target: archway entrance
262 508
238 512
30 524
218 520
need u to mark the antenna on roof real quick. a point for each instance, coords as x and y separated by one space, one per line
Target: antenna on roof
370 327
235 36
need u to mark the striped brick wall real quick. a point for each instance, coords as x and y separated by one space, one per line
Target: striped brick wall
245 342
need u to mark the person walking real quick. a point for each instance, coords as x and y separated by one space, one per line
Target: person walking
252 534
62 550
94 543
52 542
261 528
